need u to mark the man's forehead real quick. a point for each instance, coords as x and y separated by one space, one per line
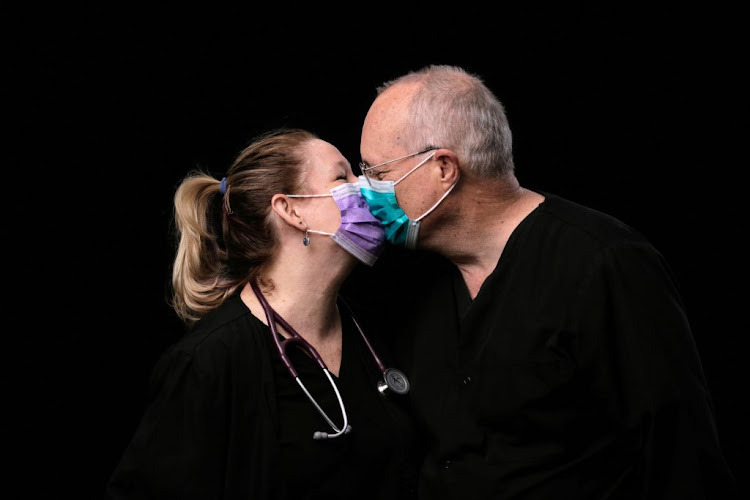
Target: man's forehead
390 106
382 131
381 151
381 142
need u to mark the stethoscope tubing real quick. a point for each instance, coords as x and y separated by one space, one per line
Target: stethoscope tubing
392 379
272 317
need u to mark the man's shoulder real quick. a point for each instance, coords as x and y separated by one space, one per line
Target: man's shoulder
584 222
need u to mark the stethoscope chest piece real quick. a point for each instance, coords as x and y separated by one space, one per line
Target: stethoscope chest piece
395 381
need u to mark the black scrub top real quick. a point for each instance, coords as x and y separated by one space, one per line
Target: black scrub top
572 374
226 421
360 464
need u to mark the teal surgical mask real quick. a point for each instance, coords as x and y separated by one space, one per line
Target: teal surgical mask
381 197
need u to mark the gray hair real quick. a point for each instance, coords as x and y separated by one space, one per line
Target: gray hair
454 109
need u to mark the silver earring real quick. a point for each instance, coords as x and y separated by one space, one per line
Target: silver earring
306 239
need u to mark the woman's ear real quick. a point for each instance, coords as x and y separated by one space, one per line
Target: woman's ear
285 210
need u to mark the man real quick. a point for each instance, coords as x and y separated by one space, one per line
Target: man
546 343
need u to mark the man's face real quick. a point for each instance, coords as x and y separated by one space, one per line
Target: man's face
381 146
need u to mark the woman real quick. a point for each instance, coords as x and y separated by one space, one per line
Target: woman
262 255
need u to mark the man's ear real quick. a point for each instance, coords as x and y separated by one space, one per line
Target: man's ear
449 165
285 210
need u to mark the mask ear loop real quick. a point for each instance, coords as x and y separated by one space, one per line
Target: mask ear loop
441 198
407 174
437 203
306 238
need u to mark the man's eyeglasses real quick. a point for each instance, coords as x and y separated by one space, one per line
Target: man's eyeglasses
371 173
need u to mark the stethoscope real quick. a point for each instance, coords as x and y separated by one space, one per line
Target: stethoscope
393 379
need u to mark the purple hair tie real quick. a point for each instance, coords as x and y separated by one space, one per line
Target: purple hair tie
223 187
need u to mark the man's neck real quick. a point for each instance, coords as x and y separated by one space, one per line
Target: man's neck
476 239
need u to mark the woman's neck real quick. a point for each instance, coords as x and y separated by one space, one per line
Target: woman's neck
304 295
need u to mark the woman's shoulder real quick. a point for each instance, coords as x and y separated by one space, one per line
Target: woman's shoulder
223 334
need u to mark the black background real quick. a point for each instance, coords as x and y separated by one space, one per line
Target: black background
636 110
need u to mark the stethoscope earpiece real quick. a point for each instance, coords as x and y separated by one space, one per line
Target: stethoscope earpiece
319 435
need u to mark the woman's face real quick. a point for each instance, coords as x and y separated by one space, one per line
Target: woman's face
325 169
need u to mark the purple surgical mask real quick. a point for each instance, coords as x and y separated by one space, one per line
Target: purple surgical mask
360 233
